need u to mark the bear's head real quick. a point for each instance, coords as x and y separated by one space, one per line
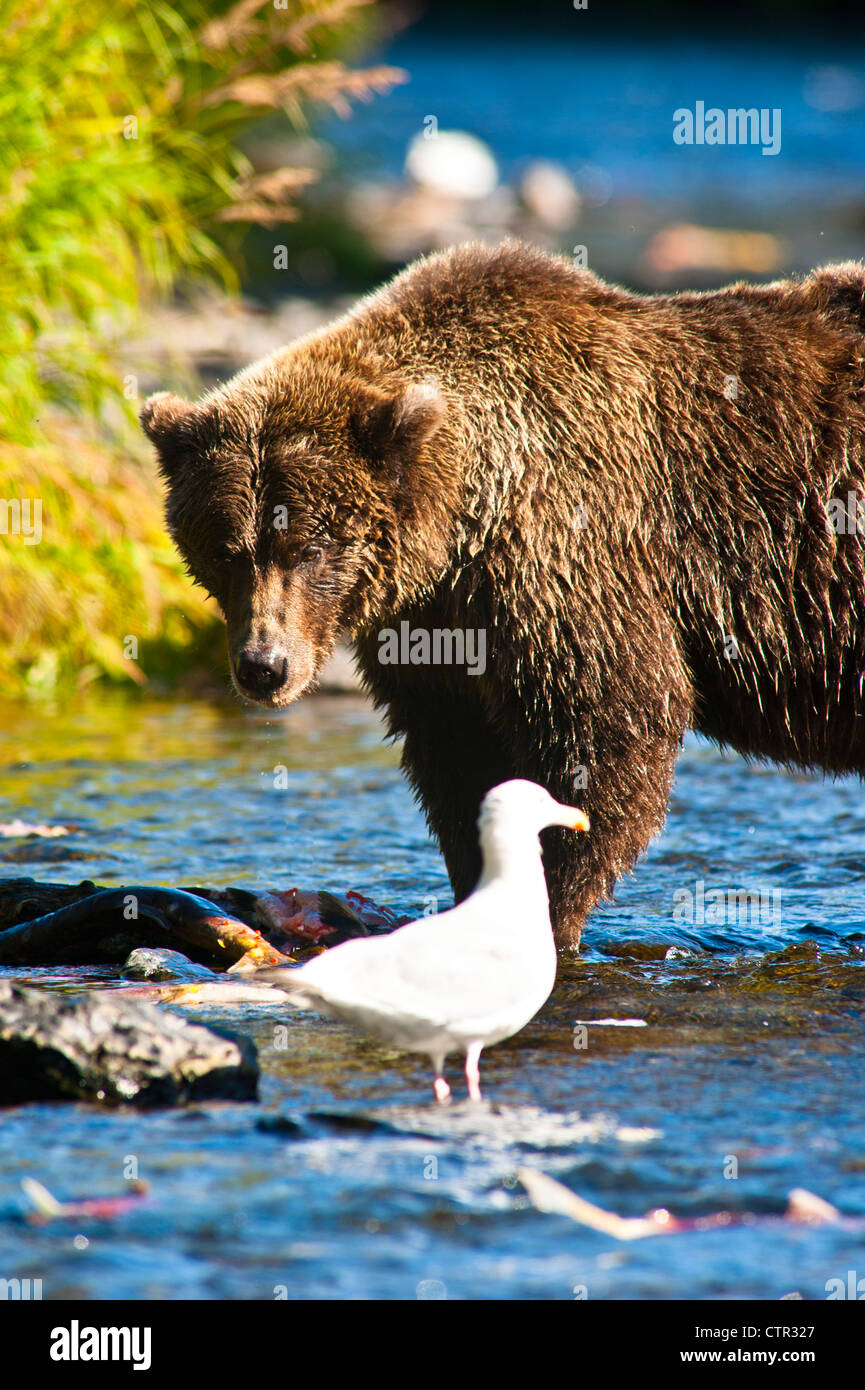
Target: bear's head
306 502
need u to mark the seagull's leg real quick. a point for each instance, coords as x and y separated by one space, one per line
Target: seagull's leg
440 1087
473 1071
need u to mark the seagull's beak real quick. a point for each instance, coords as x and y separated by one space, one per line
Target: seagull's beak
573 818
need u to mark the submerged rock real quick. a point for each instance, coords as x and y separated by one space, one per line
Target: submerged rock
147 963
101 1047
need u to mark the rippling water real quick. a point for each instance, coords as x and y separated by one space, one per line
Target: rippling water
754 1047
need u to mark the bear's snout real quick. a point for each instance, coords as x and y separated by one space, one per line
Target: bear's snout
261 671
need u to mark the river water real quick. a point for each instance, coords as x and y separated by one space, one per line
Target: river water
603 107
345 1180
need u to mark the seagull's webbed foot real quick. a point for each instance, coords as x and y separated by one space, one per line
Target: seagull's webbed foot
442 1090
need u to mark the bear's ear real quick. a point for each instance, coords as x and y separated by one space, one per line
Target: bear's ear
167 418
174 426
394 426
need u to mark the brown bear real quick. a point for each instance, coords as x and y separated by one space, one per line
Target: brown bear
644 512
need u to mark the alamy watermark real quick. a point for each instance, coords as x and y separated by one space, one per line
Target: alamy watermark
20 1289
77 1343
847 515
726 906
21 518
736 126
438 646
852 1287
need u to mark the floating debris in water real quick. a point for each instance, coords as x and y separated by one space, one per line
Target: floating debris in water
611 1022
63 924
807 1207
47 1208
22 829
549 1195
221 991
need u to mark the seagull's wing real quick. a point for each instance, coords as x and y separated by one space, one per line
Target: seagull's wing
459 966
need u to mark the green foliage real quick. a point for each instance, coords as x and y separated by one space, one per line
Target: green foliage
120 160
102 594
121 175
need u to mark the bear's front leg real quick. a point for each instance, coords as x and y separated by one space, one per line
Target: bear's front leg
452 757
603 730
625 797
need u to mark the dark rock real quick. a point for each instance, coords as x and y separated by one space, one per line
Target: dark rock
102 1047
350 1121
282 1125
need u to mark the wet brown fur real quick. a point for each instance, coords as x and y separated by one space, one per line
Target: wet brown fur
534 391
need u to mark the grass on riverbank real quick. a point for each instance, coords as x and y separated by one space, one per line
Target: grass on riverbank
102 595
122 176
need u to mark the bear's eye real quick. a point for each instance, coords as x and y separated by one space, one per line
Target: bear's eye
311 552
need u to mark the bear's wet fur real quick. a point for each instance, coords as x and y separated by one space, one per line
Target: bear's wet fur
639 499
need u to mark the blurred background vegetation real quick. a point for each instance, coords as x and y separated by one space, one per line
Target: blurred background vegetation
122 180
180 191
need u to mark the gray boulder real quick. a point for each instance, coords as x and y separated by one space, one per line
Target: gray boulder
101 1047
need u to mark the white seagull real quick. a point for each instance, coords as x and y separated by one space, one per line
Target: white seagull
465 979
